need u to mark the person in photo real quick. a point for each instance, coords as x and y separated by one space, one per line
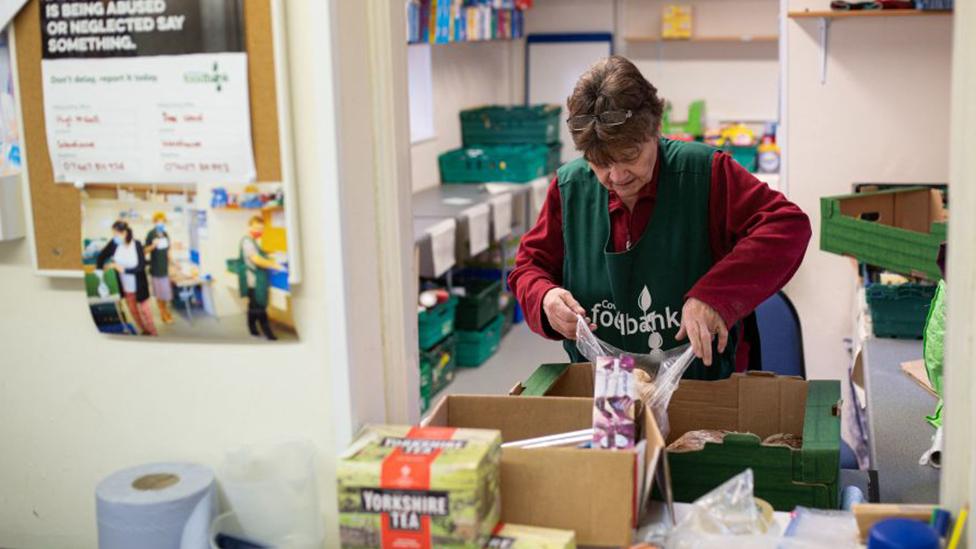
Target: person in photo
158 247
127 257
254 278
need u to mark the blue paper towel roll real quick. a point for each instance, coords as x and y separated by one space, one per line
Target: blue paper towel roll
156 506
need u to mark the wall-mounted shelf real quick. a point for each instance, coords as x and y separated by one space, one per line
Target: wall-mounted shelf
831 14
704 39
825 18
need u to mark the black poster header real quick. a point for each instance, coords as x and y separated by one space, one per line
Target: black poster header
132 28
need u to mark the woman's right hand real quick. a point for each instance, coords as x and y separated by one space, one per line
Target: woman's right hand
561 309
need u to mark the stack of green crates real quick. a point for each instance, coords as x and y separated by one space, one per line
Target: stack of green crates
435 327
478 321
899 310
514 144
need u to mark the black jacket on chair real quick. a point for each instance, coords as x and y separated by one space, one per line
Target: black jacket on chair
142 282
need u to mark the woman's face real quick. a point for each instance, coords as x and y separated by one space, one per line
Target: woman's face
627 176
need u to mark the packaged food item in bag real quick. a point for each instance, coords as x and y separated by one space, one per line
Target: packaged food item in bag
692 441
663 369
614 404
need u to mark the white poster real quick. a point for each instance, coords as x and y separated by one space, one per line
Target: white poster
146 92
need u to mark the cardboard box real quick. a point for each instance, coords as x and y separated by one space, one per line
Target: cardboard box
899 230
412 487
760 403
596 493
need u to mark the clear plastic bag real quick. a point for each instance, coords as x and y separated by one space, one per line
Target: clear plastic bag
725 517
664 368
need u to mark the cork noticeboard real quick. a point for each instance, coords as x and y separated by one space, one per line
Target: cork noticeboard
56 207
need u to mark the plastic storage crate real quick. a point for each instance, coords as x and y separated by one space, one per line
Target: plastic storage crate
439 364
507 307
511 163
480 304
497 125
425 380
746 156
899 230
899 310
785 477
434 324
475 347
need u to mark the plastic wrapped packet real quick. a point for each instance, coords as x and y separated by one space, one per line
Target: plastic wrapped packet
725 517
663 368
830 528
692 441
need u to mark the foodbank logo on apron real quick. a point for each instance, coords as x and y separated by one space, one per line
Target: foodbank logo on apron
651 322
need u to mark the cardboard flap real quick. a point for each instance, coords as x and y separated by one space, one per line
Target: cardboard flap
704 405
821 431
543 378
517 418
598 479
768 406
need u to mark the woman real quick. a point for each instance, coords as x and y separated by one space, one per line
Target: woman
129 261
158 246
652 241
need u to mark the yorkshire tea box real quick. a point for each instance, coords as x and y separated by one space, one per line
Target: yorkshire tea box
517 536
419 487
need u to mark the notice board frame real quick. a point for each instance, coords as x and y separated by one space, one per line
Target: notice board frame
54 210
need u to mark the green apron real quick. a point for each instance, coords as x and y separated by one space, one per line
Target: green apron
635 297
261 279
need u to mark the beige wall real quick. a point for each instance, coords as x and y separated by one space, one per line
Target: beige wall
738 81
465 75
882 116
76 406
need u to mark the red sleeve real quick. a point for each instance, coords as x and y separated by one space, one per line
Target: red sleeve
539 263
758 239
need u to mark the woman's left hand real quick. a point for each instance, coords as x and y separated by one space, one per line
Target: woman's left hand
700 323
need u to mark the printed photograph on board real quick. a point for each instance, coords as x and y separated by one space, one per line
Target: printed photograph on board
10 162
188 262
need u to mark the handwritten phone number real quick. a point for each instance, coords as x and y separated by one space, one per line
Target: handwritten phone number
94 166
197 167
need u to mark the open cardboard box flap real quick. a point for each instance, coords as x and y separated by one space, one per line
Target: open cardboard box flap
757 402
600 494
913 210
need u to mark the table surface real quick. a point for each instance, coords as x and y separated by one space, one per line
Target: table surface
897 431
423 224
430 202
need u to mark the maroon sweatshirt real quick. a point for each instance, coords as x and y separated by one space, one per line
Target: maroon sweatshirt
757 237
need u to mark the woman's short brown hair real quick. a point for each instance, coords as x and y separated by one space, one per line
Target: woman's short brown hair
611 84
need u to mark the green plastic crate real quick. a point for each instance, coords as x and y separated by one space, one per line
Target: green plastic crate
433 325
554 160
746 156
785 477
475 347
480 304
439 364
508 313
899 310
425 396
498 125
899 230
511 163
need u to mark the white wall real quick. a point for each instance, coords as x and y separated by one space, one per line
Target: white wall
465 75
76 405
882 116
738 81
